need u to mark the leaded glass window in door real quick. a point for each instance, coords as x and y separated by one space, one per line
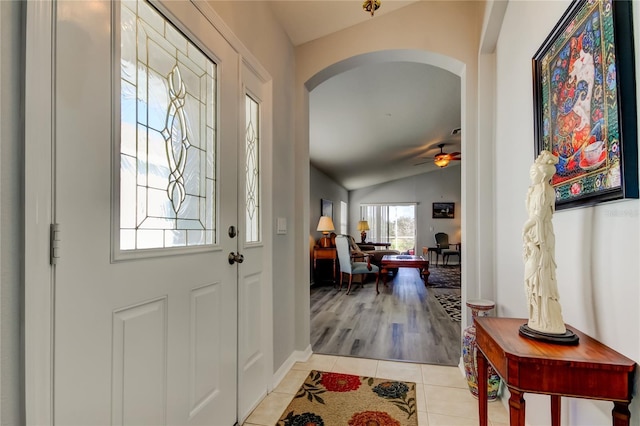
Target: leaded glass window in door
252 170
168 134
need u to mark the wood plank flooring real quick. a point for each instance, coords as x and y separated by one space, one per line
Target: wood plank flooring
404 322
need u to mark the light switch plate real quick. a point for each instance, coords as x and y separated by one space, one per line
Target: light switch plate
281 226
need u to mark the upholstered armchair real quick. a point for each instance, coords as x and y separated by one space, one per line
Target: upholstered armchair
350 266
362 250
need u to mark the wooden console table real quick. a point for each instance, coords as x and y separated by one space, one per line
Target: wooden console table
325 253
587 370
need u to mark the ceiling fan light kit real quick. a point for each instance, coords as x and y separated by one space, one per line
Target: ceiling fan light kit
371 5
442 159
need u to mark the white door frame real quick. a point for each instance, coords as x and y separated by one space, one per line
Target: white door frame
40 198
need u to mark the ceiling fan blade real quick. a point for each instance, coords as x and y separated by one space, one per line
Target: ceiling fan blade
454 154
424 162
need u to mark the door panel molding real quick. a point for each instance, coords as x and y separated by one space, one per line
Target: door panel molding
39 182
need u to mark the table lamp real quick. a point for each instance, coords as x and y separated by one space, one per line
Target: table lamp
363 227
325 225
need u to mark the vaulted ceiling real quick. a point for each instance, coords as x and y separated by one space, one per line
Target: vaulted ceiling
374 123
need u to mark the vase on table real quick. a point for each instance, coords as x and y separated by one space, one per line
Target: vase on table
479 307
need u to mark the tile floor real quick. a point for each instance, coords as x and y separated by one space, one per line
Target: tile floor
442 393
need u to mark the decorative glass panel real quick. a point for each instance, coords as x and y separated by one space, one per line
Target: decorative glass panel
167 145
252 172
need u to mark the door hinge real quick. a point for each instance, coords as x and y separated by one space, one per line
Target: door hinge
54 243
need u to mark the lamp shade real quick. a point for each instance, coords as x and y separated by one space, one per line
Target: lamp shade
325 224
363 225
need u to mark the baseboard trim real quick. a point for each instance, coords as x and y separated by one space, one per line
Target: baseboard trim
296 356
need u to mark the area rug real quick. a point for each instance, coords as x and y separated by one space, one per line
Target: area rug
444 277
451 304
332 399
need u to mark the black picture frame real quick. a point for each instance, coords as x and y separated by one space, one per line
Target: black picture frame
585 104
326 208
443 210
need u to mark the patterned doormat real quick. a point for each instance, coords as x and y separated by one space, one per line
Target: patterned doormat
451 304
327 399
444 277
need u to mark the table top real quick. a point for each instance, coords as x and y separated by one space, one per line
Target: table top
375 244
589 369
402 258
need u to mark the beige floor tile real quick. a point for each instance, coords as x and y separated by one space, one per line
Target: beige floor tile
356 366
269 410
421 399
443 376
403 371
316 362
498 414
444 420
498 424
445 401
423 418
292 381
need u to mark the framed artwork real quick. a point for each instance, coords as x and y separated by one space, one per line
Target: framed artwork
443 210
584 103
326 208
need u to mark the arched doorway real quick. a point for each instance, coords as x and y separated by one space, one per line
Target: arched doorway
380 58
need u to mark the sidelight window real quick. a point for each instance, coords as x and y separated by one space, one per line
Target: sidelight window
252 170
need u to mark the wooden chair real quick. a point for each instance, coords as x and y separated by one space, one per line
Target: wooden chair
442 240
349 266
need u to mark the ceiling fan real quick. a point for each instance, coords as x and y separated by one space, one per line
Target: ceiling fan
442 159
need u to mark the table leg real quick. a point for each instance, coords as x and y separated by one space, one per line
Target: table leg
621 414
334 271
425 276
555 410
516 407
384 271
482 388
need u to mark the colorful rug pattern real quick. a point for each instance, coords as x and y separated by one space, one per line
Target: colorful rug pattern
444 277
327 399
451 304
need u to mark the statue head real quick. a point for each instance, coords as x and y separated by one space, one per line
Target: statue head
543 169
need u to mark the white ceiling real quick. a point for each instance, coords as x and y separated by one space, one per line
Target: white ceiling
374 123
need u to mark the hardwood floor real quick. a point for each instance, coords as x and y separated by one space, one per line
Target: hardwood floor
404 322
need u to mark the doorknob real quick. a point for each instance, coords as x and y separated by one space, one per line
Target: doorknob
233 257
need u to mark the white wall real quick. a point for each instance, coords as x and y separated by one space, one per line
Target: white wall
11 214
597 248
437 186
322 186
254 24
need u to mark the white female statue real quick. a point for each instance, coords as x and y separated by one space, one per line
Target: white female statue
545 313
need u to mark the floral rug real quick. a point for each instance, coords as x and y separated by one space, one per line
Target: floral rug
335 399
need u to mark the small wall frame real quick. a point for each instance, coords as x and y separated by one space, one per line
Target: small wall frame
443 210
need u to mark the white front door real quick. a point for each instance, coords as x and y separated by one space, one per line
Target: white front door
145 323
254 289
